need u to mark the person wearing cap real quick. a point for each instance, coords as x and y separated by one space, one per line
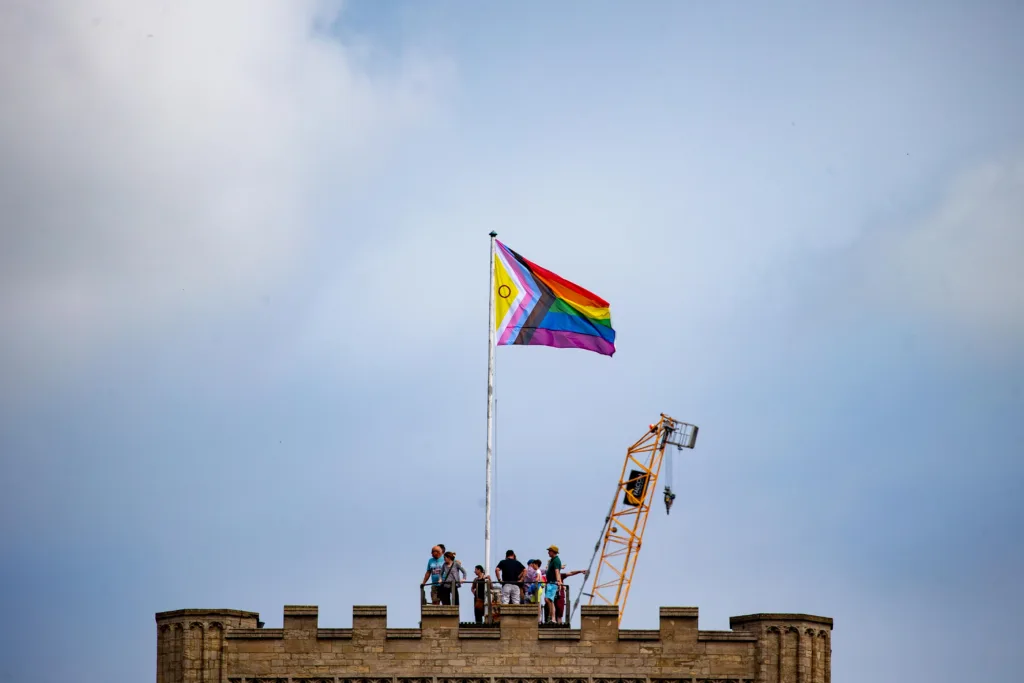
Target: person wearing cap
554 581
510 573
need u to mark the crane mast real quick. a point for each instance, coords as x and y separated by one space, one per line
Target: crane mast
623 533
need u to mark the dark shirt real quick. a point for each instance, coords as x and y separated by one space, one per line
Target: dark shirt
554 564
510 570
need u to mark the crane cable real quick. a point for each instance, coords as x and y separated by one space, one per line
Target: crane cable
668 470
590 567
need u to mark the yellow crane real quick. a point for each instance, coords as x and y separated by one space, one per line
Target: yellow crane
623 531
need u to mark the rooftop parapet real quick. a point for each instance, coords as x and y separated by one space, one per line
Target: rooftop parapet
597 623
229 646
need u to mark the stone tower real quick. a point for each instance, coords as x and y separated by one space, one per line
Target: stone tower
230 646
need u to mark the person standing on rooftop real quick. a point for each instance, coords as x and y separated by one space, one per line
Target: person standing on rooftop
533 578
434 566
563 592
479 593
510 573
449 585
554 581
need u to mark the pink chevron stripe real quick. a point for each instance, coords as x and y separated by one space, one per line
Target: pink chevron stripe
517 302
508 329
529 300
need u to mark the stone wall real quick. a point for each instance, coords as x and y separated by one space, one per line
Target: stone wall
228 646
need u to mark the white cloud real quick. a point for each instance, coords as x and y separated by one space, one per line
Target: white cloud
962 263
160 158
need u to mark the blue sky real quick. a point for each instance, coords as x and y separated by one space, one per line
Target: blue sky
243 301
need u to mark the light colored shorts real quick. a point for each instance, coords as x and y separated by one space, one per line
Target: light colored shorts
550 591
510 593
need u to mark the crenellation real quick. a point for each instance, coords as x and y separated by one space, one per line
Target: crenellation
220 646
599 623
640 634
479 633
404 633
334 633
560 634
300 622
723 636
438 620
255 633
369 623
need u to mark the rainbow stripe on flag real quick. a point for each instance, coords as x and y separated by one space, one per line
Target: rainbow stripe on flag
533 306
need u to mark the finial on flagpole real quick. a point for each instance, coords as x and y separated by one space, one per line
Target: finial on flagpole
493 234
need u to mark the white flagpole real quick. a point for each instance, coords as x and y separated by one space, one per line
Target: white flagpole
490 414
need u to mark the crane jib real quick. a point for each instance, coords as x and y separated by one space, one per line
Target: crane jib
623 529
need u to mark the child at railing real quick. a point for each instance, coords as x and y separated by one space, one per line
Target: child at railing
534 576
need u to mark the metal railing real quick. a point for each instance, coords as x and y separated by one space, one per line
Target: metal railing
490 602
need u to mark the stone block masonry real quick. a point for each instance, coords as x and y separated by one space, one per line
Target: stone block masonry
227 646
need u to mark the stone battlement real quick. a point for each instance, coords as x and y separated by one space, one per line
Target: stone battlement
228 646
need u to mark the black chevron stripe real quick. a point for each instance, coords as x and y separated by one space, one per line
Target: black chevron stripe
543 305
